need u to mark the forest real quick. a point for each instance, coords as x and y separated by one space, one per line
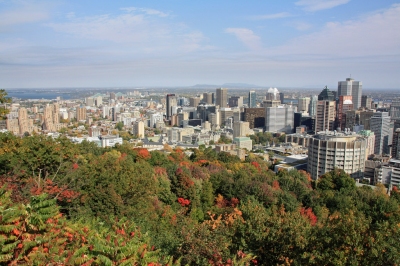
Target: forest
77 204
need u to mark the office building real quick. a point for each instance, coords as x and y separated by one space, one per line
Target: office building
255 117
282 97
396 144
350 87
273 95
171 101
252 99
365 118
240 129
222 97
236 101
325 117
395 109
344 104
194 101
329 150
138 129
208 98
326 95
280 119
303 105
366 101
312 108
380 125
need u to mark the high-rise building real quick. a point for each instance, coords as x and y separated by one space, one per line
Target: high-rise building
326 95
208 98
352 88
252 99
138 129
236 101
344 104
222 97
330 150
272 95
170 102
325 117
312 110
366 101
365 118
240 129
380 125
280 119
396 144
282 97
271 103
304 104
224 114
395 109
80 113
194 101
255 117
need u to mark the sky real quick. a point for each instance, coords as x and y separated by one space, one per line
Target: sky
167 43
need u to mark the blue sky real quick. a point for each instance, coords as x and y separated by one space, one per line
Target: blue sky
300 43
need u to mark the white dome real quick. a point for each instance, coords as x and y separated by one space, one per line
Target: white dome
347 102
273 90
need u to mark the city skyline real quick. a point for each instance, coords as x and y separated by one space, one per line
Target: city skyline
301 43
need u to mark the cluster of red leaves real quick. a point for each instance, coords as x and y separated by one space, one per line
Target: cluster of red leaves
160 170
183 202
275 185
220 202
256 165
309 214
395 189
62 193
143 153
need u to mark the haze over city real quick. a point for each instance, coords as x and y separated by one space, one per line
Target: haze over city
302 43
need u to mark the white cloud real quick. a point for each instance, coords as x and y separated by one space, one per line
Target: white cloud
272 16
300 25
247 37
27 13
316 5
147 11
373 35
136 31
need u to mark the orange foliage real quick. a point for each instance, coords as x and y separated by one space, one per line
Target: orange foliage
308 213
143 153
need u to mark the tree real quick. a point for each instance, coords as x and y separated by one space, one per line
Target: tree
4 100
119 126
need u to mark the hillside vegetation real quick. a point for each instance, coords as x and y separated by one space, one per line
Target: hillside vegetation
78 204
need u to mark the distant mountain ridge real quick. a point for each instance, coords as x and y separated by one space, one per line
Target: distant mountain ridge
229 85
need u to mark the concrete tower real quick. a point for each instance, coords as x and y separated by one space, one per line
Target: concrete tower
350 87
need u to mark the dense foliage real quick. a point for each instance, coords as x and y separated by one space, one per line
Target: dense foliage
78 204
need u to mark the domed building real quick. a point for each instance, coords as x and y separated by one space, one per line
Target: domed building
272 94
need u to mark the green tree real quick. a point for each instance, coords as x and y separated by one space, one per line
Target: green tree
3 101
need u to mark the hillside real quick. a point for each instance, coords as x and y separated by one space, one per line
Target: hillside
78 204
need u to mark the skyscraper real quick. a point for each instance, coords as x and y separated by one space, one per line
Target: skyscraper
280 119
395 109
222 97
344 104
312 110
273 94
396 144
326 95
353 88
252 99
325 117
304 104
380 125
170 102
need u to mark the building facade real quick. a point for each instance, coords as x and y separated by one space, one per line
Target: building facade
330 150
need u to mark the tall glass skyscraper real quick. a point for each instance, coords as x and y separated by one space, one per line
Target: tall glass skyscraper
252 99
